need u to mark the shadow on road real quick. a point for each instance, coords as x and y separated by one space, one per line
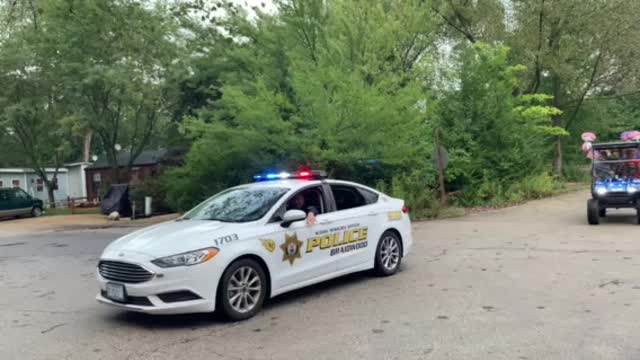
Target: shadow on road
622 218
196 321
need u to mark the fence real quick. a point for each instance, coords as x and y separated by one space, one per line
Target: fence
74 204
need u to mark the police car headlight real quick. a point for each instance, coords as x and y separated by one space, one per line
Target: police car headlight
601 191
187 259
631 190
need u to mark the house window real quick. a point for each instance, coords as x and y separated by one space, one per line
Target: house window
39 185
15 183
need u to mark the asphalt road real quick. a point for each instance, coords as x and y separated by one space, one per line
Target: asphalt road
530 282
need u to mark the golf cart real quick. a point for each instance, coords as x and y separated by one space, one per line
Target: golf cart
615 181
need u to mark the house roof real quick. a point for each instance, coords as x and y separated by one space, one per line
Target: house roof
28 170
147 157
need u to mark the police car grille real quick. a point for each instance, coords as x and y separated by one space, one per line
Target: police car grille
123 272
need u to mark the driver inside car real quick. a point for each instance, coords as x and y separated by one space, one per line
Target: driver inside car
298 202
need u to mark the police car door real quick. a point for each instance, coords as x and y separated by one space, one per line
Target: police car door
296 262
356 225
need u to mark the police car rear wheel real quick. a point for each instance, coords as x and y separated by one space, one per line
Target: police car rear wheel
388 254
243 289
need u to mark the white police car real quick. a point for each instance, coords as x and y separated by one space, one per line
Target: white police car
254 241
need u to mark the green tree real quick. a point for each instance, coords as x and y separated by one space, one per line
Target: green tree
114 58
33 106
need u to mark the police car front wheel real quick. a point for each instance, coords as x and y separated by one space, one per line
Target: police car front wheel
388 254
243 289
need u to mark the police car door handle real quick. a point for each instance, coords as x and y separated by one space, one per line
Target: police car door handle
372 213
323 221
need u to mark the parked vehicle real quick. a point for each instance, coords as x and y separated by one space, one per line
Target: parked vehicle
17 202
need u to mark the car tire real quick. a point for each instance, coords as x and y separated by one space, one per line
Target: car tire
36 211
388 254
242 290
593 212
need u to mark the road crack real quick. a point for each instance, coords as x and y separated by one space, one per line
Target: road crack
612 282
52 328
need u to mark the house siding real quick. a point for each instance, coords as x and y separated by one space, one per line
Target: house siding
29 183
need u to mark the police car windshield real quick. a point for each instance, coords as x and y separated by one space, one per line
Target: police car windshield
237 205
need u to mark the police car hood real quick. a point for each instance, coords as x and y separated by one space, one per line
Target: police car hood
176 237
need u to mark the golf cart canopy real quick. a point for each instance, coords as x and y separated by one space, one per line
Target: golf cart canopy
616 145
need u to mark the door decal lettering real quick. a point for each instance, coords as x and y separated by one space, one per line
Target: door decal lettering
339 240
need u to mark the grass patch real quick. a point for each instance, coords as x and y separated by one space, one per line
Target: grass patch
67 211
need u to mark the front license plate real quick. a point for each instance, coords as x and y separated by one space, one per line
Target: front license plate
116 292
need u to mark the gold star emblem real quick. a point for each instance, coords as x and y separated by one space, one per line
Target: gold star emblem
291 248
270 245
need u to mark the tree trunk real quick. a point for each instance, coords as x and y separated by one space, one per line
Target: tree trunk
87 146
443 190
112 156
50 194
557 121
557 157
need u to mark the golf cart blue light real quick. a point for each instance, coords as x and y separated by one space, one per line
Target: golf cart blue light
257 177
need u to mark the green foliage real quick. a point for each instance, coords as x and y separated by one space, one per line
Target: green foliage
496 140
154 187
333 91
352 86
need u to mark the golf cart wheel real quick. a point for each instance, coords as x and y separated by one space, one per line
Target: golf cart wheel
36 211
243 289
602 212
593 212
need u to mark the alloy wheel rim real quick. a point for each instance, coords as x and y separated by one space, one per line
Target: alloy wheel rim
244 289
390 253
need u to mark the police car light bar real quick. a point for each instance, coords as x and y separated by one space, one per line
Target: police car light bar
302 174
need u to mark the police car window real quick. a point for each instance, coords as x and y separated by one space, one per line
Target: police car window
307 200
369 196
237 205
347 197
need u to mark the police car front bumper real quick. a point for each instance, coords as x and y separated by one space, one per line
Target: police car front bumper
179 290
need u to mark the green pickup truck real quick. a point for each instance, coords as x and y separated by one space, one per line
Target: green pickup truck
16 202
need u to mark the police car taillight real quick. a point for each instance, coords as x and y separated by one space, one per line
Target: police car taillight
405 209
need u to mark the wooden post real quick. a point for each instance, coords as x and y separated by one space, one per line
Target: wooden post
440 168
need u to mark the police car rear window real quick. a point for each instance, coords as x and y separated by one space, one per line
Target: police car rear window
369 196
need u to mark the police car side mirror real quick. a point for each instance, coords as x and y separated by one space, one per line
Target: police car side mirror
292 216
